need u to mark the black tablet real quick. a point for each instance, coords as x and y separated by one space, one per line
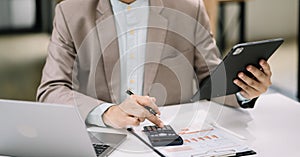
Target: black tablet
220 82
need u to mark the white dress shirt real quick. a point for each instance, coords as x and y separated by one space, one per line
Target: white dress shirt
131 24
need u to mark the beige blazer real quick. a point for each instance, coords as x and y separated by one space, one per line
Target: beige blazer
82 67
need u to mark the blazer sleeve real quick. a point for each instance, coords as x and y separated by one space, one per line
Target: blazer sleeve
57 78
207 55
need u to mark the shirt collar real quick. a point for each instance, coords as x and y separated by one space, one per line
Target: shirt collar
119 6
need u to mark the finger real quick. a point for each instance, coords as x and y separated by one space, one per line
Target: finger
249 81
146 101
266 67
141 119
258 74
261 76
141 112
245 94
155 120
249 90
153 99
153 105
131 108
131 121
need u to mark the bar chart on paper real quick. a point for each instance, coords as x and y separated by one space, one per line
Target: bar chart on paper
206 142
210 138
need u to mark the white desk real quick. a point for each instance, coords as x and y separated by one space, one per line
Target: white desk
272 127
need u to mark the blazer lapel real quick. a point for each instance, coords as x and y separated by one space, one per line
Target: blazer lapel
157 30
110 48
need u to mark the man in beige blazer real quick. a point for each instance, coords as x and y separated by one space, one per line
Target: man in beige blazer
84 63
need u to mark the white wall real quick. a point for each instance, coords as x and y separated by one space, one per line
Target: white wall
17 13
4 14
272 18
22 13
265 19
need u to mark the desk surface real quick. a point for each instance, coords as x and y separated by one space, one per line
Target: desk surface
271 128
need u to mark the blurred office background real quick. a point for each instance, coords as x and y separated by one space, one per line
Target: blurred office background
25 27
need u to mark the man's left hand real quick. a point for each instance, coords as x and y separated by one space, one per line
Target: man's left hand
254 87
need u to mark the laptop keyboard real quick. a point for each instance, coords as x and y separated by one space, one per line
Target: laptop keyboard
100 148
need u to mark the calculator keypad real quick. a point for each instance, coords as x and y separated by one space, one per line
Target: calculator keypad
165 136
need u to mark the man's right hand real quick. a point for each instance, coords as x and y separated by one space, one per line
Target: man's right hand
131 112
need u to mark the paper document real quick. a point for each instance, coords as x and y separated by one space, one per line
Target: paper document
206 142
193 123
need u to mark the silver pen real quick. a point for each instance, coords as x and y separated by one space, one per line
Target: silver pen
146 107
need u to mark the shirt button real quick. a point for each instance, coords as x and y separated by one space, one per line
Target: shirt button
128 8
132 56
132 81
131 32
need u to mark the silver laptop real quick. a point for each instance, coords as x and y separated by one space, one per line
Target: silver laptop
31 129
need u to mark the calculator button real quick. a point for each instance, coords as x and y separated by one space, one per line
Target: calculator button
153 128
165 136
162 134
148 128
